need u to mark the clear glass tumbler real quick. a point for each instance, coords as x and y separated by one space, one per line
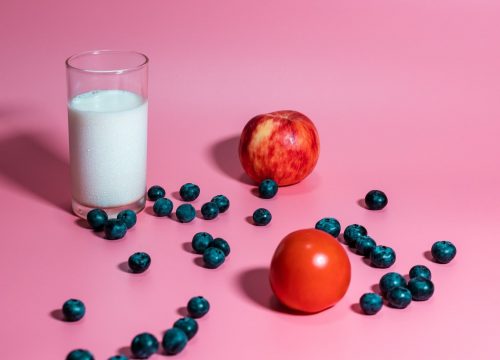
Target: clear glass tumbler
108 121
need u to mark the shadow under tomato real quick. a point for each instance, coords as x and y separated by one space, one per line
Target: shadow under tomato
254 283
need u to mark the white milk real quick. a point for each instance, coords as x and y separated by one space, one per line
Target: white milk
108 143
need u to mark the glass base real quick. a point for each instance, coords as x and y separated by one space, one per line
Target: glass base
82 210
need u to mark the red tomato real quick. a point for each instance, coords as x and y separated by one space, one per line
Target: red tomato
310 271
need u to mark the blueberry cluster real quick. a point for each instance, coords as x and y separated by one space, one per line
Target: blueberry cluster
186 213
114 229
176 338
357 239
397 292
214 251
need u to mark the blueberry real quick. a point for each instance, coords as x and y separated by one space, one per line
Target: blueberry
382 257
213 257
189 192
262 217
163 207
389 281
174 341
365 245
222 202
370 303
144 345
156 192
115 229
188 325
139 262
80 354
73 310
421 288
399 297
420 271
329 225
352 232
185 213
198 306
128 217
97 218
375 200
201 241
209 210
268 189
118 357
222 244
443 251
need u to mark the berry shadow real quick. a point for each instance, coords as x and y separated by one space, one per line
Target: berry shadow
428 255
224 154
249 219
29 163
361 202
149 210
341 239
83 224
57 314
376 289
186 246
182 311
123 266
254 283
125 350
357 309
176 195
199 261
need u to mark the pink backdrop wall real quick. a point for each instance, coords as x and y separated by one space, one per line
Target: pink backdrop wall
405 95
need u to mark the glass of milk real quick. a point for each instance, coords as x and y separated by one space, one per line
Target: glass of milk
108 120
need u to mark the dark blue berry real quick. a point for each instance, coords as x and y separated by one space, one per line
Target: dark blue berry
115 229
80 354
201 241
420 271
222 244
198 306
329 225
73 310
352 233
139 262
185 213
382 257
399 297
156 192
262 217
391 280
188 325
421 288
189 192
213 257
163 207
365 245
268 189
222 202
209 210
174 341
144 345
370 303
375 200
97 218
443 251
118 357
128 217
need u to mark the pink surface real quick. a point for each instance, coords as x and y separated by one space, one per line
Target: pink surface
405 96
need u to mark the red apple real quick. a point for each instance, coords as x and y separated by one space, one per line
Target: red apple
282 145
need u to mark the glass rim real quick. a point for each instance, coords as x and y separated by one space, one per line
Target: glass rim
106 51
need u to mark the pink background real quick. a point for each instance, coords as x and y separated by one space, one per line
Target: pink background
405 96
